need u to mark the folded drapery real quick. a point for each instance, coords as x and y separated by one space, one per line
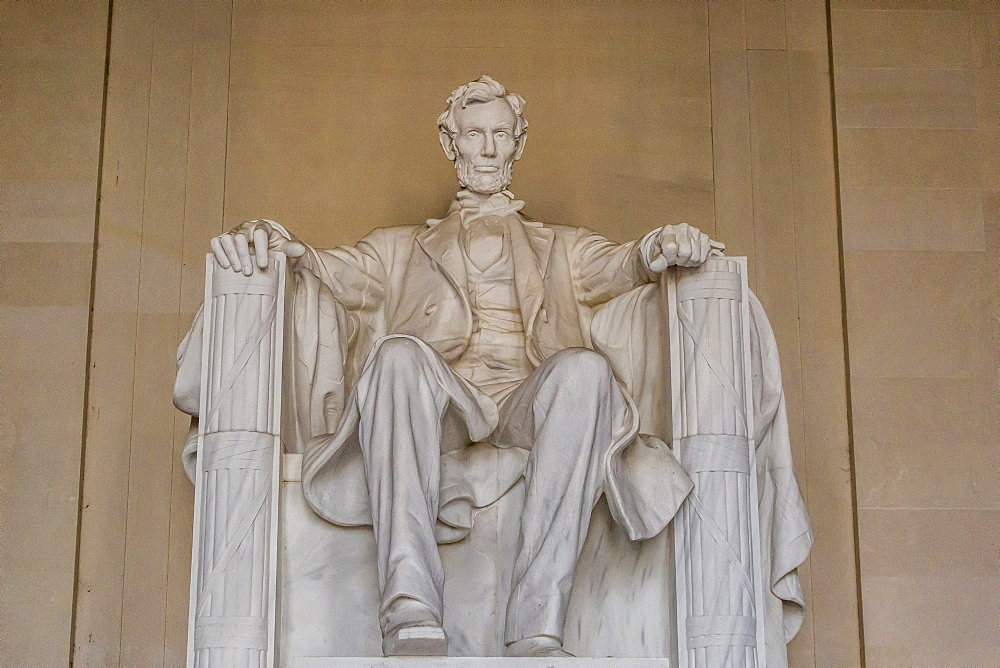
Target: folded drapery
645 483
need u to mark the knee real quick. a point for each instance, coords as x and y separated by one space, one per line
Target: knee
581 365
398 354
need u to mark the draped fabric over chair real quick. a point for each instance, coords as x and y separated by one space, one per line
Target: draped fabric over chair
623 598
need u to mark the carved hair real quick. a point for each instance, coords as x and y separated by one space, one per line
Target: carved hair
485 89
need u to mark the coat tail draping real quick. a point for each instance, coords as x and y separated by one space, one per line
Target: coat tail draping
646 483
644 486
318 368
632 331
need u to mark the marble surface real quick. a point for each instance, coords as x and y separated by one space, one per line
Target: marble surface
471 662
233 607
621 605
458 386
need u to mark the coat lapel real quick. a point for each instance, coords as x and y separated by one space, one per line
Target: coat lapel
531 245
441 241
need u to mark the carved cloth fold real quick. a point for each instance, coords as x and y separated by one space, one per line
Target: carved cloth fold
632 331
644 482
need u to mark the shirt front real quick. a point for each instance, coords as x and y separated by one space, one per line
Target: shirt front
495 360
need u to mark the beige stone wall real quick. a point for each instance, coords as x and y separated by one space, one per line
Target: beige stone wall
51 90
321 115
918 119
164 170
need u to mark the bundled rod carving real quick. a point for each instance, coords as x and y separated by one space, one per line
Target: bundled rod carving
720 618
234 557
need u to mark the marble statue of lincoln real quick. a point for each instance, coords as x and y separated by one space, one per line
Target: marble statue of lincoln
473 335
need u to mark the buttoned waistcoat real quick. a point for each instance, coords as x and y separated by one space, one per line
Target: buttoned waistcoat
412 280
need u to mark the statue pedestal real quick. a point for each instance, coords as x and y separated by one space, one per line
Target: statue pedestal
470 662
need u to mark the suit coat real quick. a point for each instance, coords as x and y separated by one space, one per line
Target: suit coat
412 280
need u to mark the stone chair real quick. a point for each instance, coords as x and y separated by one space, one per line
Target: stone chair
273 583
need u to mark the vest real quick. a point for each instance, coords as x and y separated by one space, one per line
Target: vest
495 360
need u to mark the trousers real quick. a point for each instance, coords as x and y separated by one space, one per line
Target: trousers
564 414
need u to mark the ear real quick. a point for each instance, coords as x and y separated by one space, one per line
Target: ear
448 144
520 145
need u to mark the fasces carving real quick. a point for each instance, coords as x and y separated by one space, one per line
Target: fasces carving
717 531
234 562
480 409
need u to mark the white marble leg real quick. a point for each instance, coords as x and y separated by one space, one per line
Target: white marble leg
717 551
567 406
234 557
402 405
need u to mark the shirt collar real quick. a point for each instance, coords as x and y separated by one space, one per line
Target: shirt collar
472 206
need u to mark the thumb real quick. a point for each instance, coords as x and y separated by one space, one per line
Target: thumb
294 249
659 264
668 245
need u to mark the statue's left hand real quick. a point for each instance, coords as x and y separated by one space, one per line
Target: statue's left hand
249 241
681 245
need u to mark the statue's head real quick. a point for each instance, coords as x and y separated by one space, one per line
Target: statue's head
483 132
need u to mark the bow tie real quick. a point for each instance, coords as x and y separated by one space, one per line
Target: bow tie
499 204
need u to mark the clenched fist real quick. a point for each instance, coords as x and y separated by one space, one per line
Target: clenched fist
681 245
233 250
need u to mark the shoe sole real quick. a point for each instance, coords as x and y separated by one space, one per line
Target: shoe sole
416 641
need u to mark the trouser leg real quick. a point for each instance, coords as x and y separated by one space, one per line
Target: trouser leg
568 407
401 408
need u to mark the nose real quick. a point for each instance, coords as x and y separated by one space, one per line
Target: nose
489 146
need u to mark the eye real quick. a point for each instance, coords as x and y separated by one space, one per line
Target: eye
502 134
472 133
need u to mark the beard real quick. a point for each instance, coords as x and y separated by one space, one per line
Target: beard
484 183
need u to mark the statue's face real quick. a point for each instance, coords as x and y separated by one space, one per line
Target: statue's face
485 148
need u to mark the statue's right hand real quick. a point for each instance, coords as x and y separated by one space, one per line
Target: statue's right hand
233 250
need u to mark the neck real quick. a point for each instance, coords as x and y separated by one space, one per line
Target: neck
481 197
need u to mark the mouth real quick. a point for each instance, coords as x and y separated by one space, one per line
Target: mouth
486 169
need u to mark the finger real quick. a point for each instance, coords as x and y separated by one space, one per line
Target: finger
220 253
668 246
684 249
243 247
260 243
698 250
229 245
706 247
659 264
294 249
242 228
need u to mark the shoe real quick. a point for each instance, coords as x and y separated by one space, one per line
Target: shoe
537 646
410 628
416 641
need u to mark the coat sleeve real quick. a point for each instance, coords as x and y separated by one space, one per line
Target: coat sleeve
320 366
786 534
357 275
604 269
